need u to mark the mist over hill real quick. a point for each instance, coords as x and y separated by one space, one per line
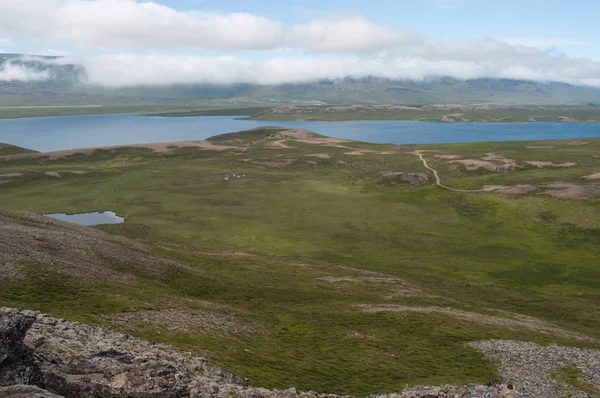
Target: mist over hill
28 81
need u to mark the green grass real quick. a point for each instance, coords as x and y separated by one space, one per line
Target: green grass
572 377
6 149
531 254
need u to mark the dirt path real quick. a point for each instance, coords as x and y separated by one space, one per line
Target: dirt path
438 181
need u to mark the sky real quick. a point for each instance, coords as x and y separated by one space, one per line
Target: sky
127 42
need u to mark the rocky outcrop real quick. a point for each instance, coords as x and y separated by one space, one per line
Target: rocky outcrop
25 391
535 367
17 364
73 360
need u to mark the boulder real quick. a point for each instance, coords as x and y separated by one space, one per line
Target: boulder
17 363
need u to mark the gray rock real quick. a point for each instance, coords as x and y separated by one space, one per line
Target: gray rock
17 364
23 391
83 361
532 365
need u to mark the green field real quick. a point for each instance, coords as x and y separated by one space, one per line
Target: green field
299 242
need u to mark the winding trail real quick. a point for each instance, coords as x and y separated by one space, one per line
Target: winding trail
438 181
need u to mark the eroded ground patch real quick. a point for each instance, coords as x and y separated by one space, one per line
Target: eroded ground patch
209 321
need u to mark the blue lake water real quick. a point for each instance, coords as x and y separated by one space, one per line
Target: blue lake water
89 219
70 132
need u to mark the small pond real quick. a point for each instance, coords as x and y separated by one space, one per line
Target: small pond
89 219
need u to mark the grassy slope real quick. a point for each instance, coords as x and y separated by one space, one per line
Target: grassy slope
6 149
532 254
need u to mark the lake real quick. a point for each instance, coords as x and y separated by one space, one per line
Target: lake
70 132
89 219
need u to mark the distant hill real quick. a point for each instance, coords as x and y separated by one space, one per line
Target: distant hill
67 86
7 149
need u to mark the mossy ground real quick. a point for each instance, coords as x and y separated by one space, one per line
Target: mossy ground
482 252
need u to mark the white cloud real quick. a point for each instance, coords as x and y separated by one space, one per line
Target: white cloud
347 34
116 31
159 69
10 72
133 25
128 24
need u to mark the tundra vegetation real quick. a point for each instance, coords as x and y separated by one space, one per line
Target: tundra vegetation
293 259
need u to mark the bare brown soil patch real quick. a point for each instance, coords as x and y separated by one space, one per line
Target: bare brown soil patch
576 192
510 189
541 164
324 141
9 175
54 246
309 137
52 174
590 177
319 155
449 157
359 152
491 161
453 117
208 321
518 321
298 134
396 287
578 143
540 146
495 156
567 119
158 147
276 145
474 164
560 184
361 271
77 172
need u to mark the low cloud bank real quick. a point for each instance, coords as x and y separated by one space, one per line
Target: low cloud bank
158 69
325 47
14 72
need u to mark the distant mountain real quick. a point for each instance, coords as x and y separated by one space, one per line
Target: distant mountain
66 85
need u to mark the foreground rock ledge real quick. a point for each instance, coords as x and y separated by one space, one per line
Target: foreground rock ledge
41 356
